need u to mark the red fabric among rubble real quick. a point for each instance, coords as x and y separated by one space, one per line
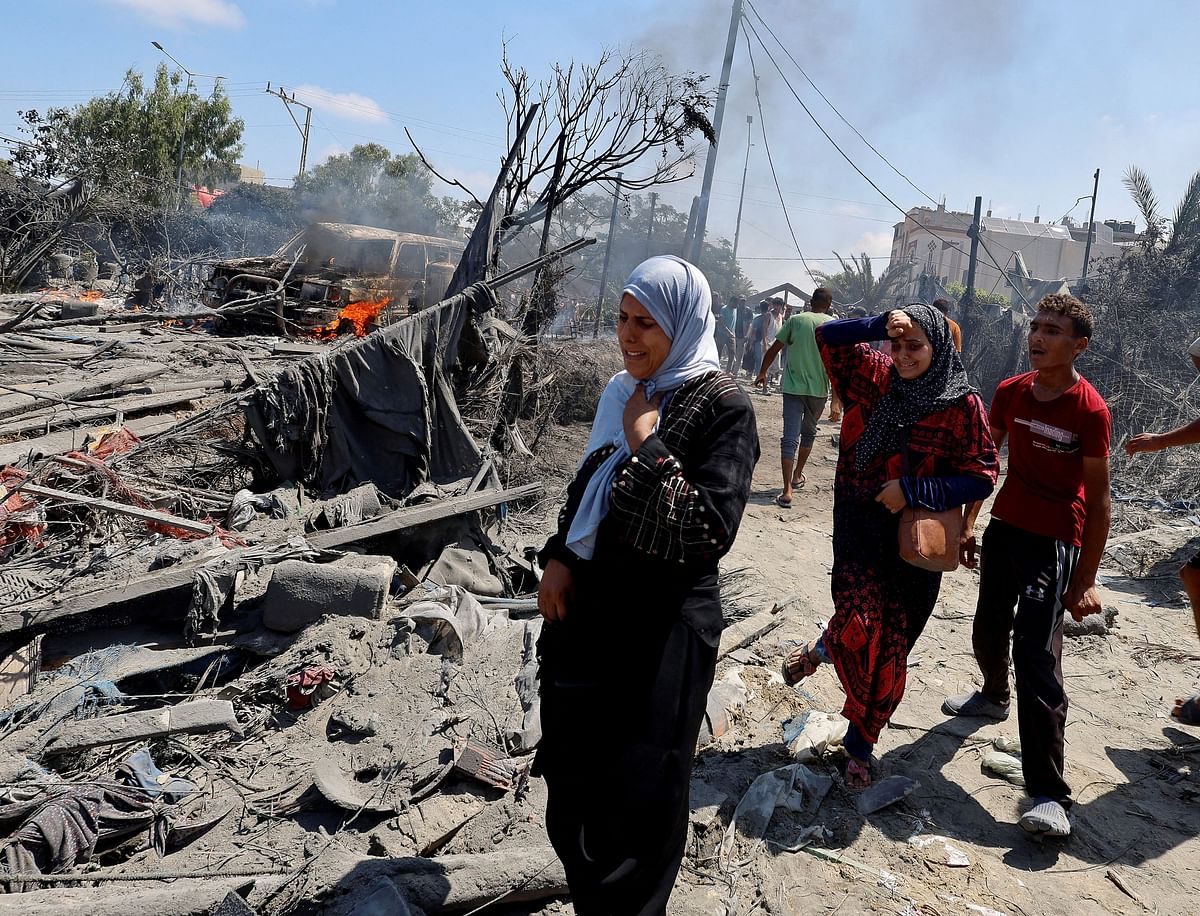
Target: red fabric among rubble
20 519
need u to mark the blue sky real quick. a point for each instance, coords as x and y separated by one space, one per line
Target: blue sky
1017 100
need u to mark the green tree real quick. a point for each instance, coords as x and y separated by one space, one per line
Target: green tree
127 142
982 296
370 185
856 283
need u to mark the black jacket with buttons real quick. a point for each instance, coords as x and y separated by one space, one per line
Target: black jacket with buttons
674 510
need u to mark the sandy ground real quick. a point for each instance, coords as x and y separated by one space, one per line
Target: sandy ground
1136 818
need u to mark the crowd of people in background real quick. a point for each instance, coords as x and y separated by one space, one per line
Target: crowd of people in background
660 493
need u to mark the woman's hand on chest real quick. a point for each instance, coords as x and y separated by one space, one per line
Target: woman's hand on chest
641 415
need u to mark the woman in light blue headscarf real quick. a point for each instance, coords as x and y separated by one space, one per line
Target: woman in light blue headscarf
629 593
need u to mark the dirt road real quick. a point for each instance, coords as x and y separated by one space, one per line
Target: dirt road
1132 768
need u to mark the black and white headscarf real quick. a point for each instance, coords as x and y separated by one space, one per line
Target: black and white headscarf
908 401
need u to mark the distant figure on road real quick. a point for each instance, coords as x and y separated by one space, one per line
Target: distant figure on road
805 388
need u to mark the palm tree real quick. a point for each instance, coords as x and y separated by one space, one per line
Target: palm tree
1166 268
1184 228
856 283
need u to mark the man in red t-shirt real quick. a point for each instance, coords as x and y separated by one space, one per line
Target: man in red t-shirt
1042 548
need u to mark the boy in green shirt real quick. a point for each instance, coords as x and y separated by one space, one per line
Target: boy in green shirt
805 388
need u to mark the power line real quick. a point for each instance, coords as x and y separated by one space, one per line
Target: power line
855 165
831 105
762 124
871 146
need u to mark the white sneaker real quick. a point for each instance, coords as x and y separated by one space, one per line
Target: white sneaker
1047 818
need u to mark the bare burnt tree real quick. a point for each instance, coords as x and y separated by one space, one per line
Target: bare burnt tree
607 117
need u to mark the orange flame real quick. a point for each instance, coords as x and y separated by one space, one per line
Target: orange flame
91 295
358 314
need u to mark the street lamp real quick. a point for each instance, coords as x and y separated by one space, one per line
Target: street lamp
187 103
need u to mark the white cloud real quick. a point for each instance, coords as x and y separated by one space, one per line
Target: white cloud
176 13
348 105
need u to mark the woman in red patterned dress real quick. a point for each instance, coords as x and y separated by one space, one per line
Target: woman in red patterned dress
914 433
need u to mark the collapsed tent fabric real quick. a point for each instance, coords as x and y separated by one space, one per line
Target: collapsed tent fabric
376 409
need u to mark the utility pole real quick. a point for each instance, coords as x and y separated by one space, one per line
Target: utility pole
288 102
968 303
710 163
187 111
612 228
650 228
685 250
1087 249
737 229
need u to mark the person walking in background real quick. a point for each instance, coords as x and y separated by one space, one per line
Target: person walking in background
915 434
630 596
755 348
1041 549
722 333
770 332
943 306
742 317
805 388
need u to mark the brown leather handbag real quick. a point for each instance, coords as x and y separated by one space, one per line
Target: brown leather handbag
929 539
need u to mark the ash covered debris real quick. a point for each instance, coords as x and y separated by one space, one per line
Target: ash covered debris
162 487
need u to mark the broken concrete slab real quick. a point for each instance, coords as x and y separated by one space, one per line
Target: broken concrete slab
301 593
198 716
182 897
747 631
429 825
704 802
456 882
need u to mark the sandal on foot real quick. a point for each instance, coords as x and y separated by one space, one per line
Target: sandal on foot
858 774
1188 711
783 502
799 664
799 483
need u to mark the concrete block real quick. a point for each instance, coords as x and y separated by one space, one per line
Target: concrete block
194 717
301 593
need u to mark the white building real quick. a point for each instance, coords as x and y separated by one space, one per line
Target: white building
936 243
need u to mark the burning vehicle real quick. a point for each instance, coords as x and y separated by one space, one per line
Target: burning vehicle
334 278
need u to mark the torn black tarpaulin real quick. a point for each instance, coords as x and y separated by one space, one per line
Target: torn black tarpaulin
376 409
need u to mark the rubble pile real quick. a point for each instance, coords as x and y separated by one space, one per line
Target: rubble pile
266 631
